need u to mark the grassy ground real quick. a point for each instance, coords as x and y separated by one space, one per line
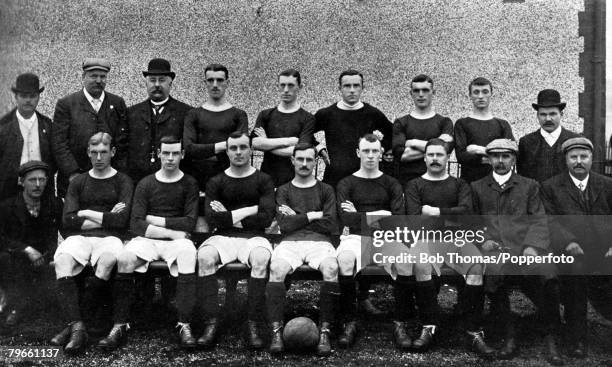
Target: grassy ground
153 342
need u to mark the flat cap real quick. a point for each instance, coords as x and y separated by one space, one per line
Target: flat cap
579 142
92 63
31 166
502 145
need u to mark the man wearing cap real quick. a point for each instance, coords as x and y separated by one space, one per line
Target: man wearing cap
580 202
80 115
474 132
29 222
159 115
25 135
513 215
540 154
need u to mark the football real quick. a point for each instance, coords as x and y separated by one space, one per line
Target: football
300 334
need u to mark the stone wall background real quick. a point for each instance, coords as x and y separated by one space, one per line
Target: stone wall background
521 47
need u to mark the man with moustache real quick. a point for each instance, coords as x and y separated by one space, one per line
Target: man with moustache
159 115
474 132
29 222
411 132
25 135
277 130
82 114
540 154
208 127
514 216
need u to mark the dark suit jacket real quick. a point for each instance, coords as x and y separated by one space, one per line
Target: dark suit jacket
531 148
11 145
75 121
588 225
170 122
19 230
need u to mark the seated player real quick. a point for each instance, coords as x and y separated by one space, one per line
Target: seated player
240 205
306 213
441 197
163 216
368 192
96 214
29 222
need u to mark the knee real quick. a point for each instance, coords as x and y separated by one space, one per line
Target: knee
259 258
422 272
329 269
346 263
279 270
126 260
63 263
107 261
207 258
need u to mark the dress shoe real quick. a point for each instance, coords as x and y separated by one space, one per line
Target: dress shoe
207 339
255 341
400 335
324 346
366 306
348 334
116 337
554 357
78 338
12 319
478 344
579 350
508 351
186 339
276 342
424 341
61 338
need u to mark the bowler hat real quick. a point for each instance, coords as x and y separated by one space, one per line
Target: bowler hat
31 166
159 67
27 83
548 98
579 142
93 63
501 145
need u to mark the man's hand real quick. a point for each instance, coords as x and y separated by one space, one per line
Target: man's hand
118 208
314 216
485 160
490 245
530 251
260 132
83 213
35 257
476 149
325 155
217 206
220 147
347 206
286 210
574 249
430 210
412 143
609 253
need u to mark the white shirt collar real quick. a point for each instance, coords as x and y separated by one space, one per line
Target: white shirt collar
577 182
159 103
347 107
551 138
26 121
90 98
501 179
282 109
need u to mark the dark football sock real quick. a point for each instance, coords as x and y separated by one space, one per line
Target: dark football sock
472 304
208 295
185 296
275 301
427 302
329 298
69 299
256 298
403 291
123 297
348 304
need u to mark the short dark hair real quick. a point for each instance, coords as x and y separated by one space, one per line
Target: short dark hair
169 139
293 73
217 67
438 142
349 72
421 78
369 137
304 146
238 135
480 81
100 137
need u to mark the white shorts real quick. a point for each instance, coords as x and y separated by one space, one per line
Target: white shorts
149 249
232 249
297 253
87 250
353 243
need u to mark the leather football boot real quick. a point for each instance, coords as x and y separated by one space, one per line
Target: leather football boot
253 337
61 338
276 342
207 339
424 341
78 338
478 344
186 339
12 319
348 335
324 347
579 350
116 337
400 335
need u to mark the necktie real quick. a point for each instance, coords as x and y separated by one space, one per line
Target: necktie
156 108
96 104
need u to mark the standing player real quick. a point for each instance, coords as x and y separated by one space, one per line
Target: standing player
279 129
208 127
163 217
306 212
96 214
367 192
240 205
439 197
411 132
473 133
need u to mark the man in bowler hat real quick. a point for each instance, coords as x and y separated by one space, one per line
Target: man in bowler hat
25 135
